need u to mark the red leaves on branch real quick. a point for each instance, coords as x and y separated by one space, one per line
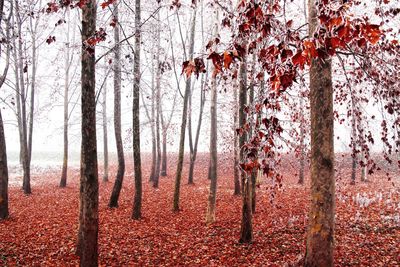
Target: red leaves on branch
195 66
106 3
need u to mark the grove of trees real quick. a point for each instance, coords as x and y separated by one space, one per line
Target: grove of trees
253 85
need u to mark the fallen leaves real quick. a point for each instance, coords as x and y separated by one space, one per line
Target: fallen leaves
42 228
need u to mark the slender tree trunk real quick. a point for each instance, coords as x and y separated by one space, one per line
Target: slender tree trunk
117 114
210 217
179 168
87 247
363 169
193 155
320 233
3 173
137 203
158 100
353 148
18 99
3 151
253 172
105 133
152 124
25 148
236 174
32 98
64 172
246 229
164 154
302 148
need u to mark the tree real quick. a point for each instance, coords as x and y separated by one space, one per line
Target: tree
117 113
64 172
320 232
210 217
87 247
105 133
21 100
178 175
246 228
3 150
156 177
137 203
236 174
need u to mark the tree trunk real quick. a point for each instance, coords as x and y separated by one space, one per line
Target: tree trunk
25 149
353 148
64 172
117 114
253 175
302 148
210 217
87 247
105 133
3 151
137 203
3 173
246 229
164 154
152 125
363 169
236 175
158 100
320 232
178 176
193 155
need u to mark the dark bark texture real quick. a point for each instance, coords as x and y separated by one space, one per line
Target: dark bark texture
89 185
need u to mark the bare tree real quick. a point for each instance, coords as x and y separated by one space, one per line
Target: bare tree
105 133
117 112
137 203
210 216
3 151
64 172
178 176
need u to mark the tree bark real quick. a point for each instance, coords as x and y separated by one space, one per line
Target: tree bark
193 155
302 148
105 132
210 217
320 232
25 149
253 175
246 229
64 172
3 173
152 125
353 147
4 212
117 114
158 100
164 154
87 247
178 176
137 202
236 174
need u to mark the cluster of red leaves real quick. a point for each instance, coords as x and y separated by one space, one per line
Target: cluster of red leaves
106 3
42 228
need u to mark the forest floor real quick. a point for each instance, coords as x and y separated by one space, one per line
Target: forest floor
42 227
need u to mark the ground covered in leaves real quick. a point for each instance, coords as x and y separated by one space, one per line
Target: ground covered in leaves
41 230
